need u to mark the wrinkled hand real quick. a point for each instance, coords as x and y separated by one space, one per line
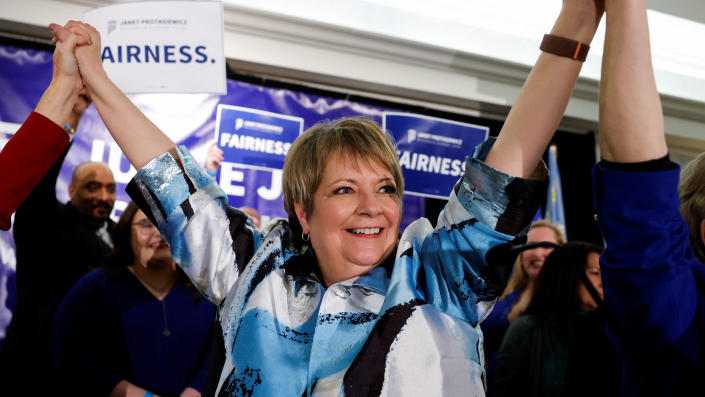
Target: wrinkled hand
86 48
65 63
63 94
213 158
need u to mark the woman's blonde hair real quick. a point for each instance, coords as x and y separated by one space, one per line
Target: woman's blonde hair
691 190
348 137
519 279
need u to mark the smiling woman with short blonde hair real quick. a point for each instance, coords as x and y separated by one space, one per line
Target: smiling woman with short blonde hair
333 302
352 137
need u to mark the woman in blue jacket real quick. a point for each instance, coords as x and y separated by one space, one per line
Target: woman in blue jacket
652 268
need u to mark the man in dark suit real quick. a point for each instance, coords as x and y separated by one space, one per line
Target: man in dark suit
57 243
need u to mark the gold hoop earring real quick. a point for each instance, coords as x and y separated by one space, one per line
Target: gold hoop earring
305 236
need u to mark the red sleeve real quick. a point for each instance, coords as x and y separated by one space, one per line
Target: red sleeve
26 158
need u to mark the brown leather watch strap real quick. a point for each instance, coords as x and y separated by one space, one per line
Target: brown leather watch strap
565 47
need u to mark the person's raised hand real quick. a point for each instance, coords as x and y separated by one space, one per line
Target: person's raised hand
65 61
579 19
592 10
213 158
87 51
84 100
60 98
65 64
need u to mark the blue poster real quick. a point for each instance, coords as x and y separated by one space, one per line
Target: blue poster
247 187
254 144
255 138
432 151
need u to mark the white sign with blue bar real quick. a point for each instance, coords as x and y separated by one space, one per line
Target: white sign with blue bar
162 46
432 151
255 138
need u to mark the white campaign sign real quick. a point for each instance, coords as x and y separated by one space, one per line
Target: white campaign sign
162 46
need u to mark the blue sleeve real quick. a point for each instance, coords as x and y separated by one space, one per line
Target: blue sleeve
648 266
502 202
485 208
210 240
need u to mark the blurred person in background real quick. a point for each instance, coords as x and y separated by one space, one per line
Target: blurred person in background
135 326
535 350
519 291
56 243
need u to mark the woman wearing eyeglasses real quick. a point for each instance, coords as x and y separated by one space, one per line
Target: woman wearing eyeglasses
136 326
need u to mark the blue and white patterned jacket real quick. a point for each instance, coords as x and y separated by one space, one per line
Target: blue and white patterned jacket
409 327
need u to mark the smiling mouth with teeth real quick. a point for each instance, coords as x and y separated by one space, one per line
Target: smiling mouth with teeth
536 263
368 231
159 244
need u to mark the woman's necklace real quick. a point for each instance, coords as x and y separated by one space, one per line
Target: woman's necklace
159 293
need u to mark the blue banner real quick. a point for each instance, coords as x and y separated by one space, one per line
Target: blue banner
432 151
255 138
254 188
258 141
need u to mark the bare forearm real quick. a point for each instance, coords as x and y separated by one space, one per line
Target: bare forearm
57 101
631 118
543 99
137 136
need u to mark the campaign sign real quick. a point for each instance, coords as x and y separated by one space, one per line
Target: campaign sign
162 46
432 151
255 138
254 144
253 188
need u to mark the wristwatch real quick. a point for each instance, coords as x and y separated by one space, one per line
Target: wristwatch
565 47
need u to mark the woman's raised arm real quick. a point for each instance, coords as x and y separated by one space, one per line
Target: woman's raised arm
631 126
40 141
542 101
137 136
